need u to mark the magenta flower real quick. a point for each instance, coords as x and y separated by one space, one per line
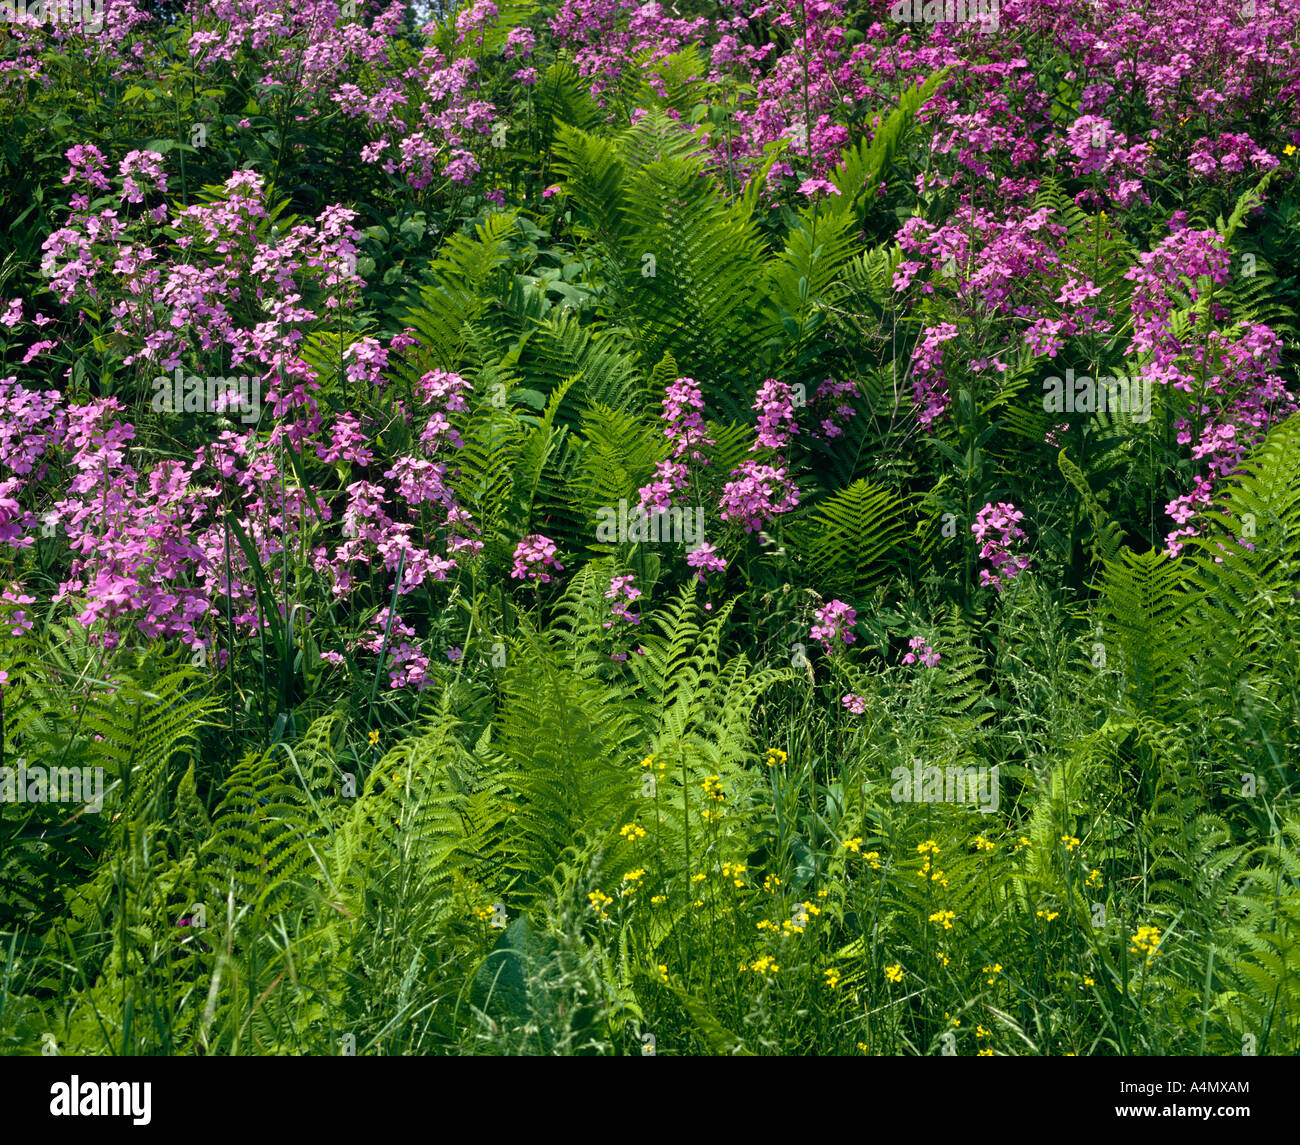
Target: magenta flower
533 556
704 559
835 619
922 652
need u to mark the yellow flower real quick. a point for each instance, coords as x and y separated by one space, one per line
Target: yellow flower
663 972
954 1021
981 1032
771 883
854 844
1147 941
943 916
733 871
710 816
812 908
790 928
996 968
1048 914
943 958
599 900
864 1047
1094 879
698 902
484 913
634 877
699 878
649 761
765 924
1070 842
1088 981
982 844
657 899
632 831
713 788
774 756
928 846
832 977
873 857
374 738
894 973
764 965
984 1054
1289 149
822 894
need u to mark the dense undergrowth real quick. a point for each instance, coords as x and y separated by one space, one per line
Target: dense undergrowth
417 738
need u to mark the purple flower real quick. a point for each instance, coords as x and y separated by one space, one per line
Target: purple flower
835 619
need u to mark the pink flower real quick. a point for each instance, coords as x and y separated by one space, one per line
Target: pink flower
533 556
835 619
704 559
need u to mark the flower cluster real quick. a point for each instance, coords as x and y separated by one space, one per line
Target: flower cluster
996 528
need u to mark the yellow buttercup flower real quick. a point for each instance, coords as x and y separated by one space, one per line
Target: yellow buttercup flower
996 968
657 899
984 1054
982 844
733 871
894 973
699 878
484 913
943 958
374 738
632 831
599 900
713 788
663 972
1289 149
943 916
764 965
1093 879
873 857
1070 842
981 1032
832 977
774 756
771 883
854 844
1048 914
